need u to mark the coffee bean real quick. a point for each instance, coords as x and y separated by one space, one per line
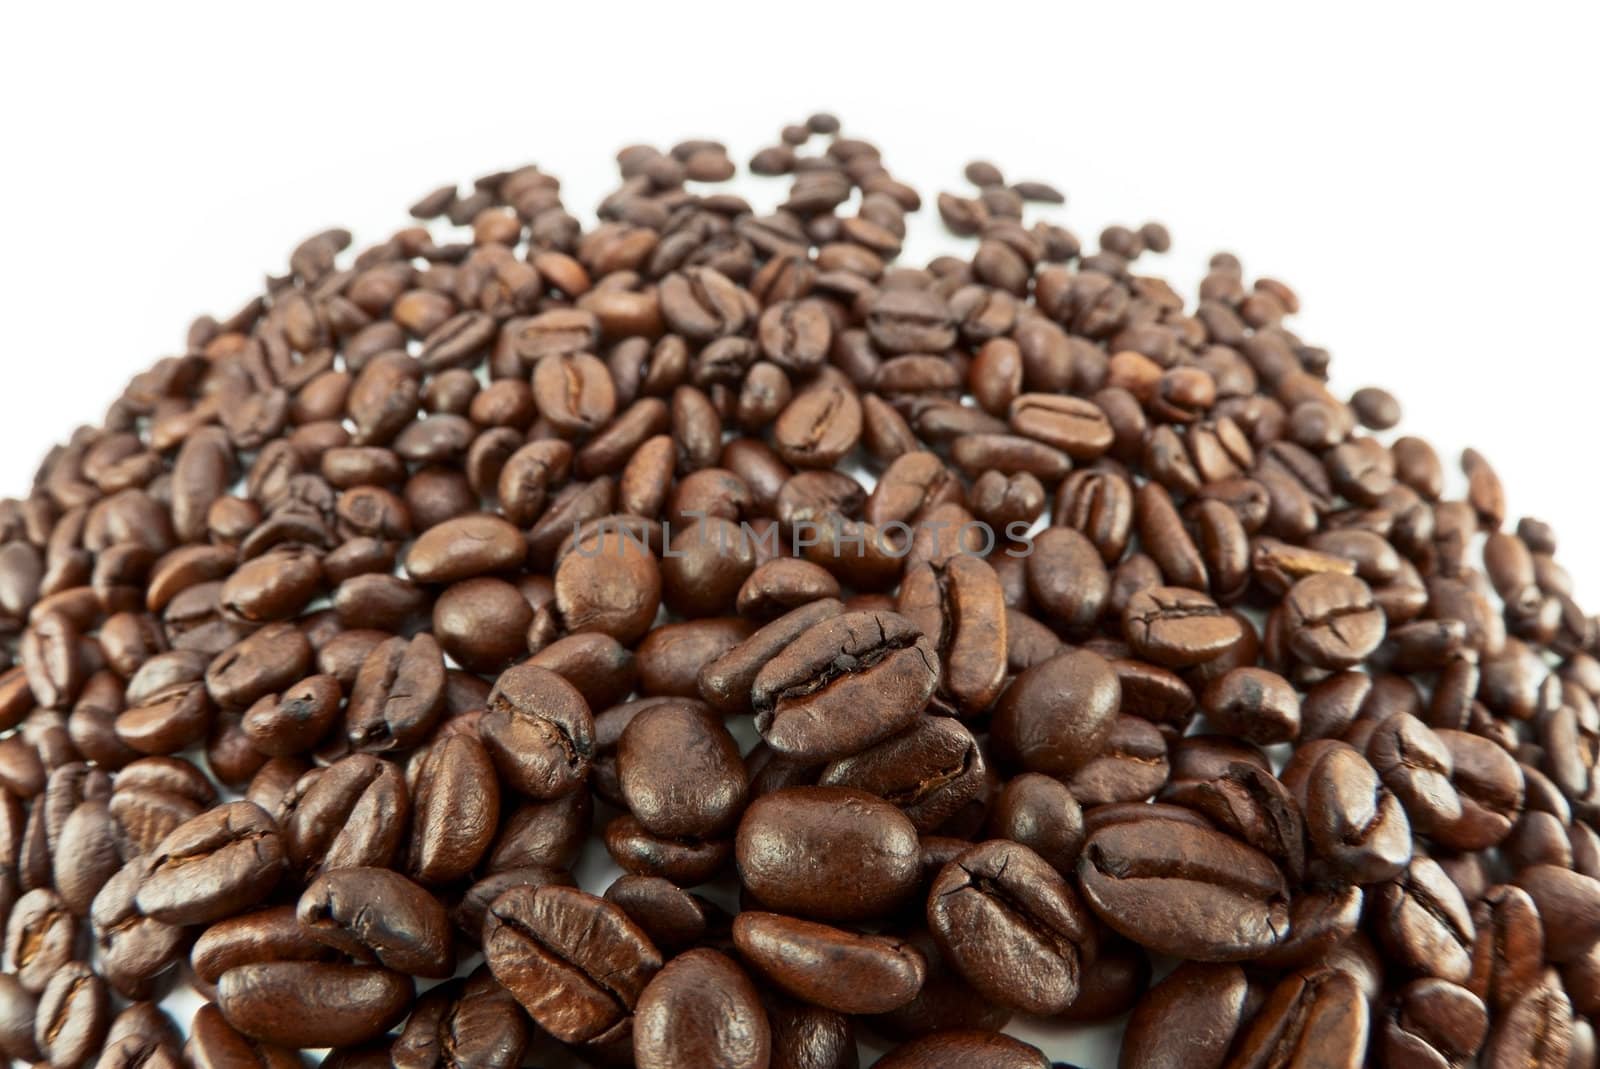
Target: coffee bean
930 771
270 934
455 811
352 813
1317 1017
73 1016
375 914
465 547
829 967
1331 620
829 853
1186 891
398 695
539 731
1012 926
680 772
475 1023
701 1009
1176 627
216 864
576 963
958 1047
1424 922
1056 716
300 1004
1569 908
1535 1031
214 1043
1508 953
810 699
1354 823
1188 1019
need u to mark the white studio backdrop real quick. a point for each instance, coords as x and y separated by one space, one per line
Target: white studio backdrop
1424 175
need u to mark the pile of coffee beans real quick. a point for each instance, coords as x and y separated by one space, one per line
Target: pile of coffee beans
929 647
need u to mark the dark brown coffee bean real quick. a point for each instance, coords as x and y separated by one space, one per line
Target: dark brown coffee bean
1058 715
829 967
930 771
681 773
1012 926
829 853
1254 704
214 1043
1331 621
41 938
299 1004
470 1023
1354 823
810 699
961 605
456 810
964 1048
1424 923
1176 627
398 695
297 720
1186 891
1317 1017
576 963
1432 1022
1569 908
539 731
271 934
1509 951
376 914
1535 1031
701 1009
727 681
354 812
73 1016
216 864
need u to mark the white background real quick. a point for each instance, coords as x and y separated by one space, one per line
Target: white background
1424 175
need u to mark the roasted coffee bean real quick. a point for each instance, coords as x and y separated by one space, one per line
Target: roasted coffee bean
1177 628
352 813
576 963
680 772
930 770
1012 926
1317 1017
964 1048
727 681
959 604
1058 715
299 1004
1509 951
1535 1031
73 1017
464 547
475 1023
1424 923
398 695
41 938
455 810
701 1009
830 853
1186 891
539 731
214 1043
217 864
379 915
1189 1019
1355 825
271 934
830 967
1569 908
811 699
